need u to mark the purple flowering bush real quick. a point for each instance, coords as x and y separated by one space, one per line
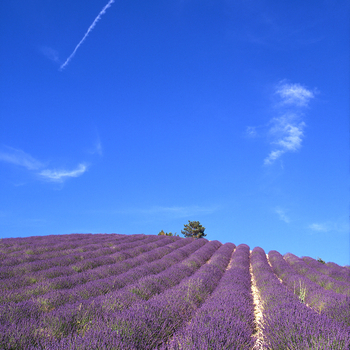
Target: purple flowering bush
332 270
316 276
288 323
119 292
334 305
90 270
226 318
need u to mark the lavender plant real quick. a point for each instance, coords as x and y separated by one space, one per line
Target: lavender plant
148 324
118 292
336 272
335 306
73 317
226 319
97 270
24 268
287 322
314 275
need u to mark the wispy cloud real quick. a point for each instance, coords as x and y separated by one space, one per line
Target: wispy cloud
294 94
97 149
282 215
18 157
330 226
251 131
285 131
25 160
87 33
319 227
50 53
61 175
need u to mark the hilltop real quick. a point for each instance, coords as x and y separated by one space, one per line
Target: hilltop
113 291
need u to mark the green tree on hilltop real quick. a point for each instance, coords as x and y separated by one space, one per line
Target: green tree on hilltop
193 229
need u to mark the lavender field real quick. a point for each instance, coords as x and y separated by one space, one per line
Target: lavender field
111 291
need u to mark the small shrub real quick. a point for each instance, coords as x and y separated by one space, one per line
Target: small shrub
320 260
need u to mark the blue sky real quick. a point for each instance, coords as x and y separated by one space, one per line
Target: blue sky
137 116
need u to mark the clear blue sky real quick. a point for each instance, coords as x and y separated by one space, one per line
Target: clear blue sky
231 113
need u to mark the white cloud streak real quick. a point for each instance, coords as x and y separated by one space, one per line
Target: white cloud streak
18 157
61 175
330 226
292 139
319 227
87 33
287 130
294 94
287 134
25 160
282 215
251 131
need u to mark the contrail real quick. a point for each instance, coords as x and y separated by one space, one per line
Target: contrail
87 33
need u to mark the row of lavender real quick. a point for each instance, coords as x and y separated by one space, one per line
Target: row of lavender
191 314
288 323
83 271
165 295
226 319
157 292
149 322
301 279
24 247
66 287
57 257
332 270
29 322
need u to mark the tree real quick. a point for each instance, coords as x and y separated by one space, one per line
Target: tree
162 233
193 229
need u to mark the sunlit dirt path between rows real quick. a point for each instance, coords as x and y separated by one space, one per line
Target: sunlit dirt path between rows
259 342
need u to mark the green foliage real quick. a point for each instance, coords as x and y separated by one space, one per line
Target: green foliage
301 291
140 293
162 233
32 280
193 229
321 261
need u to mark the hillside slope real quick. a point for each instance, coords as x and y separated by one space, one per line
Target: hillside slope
110 291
